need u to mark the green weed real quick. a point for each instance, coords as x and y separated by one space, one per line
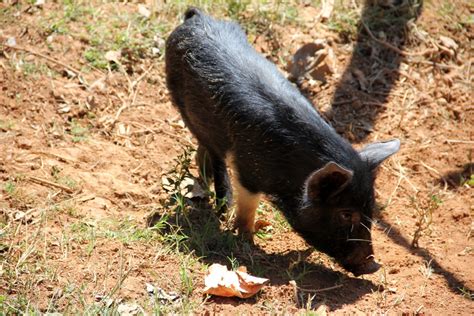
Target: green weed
78 132
423 209
6 125
10 187
470 181
96 58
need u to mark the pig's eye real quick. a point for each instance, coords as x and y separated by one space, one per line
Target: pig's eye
346 216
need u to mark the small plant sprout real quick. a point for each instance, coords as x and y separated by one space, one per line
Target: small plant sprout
426 269
423 212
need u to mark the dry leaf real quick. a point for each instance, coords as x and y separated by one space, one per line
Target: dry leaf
222 282
315 60
261 223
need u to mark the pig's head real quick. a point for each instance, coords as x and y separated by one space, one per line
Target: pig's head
336 213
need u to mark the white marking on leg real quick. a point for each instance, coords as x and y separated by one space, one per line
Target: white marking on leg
247 202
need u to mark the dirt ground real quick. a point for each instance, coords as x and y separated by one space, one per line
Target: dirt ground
100 205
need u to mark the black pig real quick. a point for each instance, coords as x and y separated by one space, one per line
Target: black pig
243 111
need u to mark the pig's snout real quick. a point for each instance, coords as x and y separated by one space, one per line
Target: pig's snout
369 266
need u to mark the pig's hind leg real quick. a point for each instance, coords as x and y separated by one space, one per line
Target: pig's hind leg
212 166
247 204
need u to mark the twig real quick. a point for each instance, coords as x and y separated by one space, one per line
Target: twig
49 183
133 92
178 136
399 181
429 168
435 64
140 78
293 283
341 102
60 158
394 48
460 141
57 62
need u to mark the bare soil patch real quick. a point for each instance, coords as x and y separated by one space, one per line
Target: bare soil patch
86 143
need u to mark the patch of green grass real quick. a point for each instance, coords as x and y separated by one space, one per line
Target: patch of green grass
129 33
32 69
447 8
344 21
63 179
96 58
467 293
68 181
234 263
68 208
470 181
127 231
298 269
6 125
20 198
59 21
10 187
78 132
134 34
17 305
186 279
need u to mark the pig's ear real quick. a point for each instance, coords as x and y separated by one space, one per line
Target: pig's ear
327 182
376 153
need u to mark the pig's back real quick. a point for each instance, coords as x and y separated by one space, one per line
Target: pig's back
232 98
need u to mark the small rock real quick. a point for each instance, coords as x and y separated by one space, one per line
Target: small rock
19 215
322 310
24 143
392 289
326 11
99 84
143 10
442 101
155 51
123 130
128 309
159 293
39 3
11 41
159 42
466 251
113 55
69 74
64 108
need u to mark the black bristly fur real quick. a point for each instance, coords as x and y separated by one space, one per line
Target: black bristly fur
235 101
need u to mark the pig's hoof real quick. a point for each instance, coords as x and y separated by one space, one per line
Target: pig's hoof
246 236
244 233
